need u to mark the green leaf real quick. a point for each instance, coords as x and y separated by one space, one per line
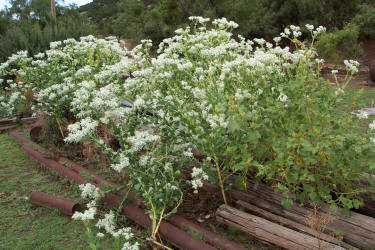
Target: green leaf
233 126
308 188
334 208
241 182
314 197
357 204
253 137
345 212
287 203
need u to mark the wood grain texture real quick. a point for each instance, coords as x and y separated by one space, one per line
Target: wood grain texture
270 232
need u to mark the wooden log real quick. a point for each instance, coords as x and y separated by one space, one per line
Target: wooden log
269 231
292 225
16 120
369 204
358 229
7 127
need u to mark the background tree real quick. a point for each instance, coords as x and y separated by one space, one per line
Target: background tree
30 25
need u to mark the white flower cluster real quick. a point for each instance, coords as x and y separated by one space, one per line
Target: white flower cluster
198 175
309 27
223 23
80 130
372 125
319 31
88 214
362 115
199 19
296 31
108 222
123 162
351 66
90 191
141 139
129 246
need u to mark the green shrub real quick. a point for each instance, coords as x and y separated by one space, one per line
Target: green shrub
365 20
35 28
253 108
339 44
155 20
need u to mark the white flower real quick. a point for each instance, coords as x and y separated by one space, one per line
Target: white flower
362 115
78 131
283 98
90 191
259 41
108 223
351 66
309 27
372 125
277 39
334 71
319 31
129 246
100 235
198 175
199 19
140 140
287 31
89 214
123 163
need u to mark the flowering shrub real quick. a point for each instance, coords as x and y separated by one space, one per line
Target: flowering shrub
255 109
252 108
10 89
123 237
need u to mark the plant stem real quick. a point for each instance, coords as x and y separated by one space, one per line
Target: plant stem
221 183
162 245
160 219
58 123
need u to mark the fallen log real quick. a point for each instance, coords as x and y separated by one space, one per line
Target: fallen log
17 119
207 235
7 127
358 229
270 232
292 225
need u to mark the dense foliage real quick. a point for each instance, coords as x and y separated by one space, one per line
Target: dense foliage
29 25
156 20
252 108
339 44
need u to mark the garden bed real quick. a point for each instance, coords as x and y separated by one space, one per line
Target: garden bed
251 109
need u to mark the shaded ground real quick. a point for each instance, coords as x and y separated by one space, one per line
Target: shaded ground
368 51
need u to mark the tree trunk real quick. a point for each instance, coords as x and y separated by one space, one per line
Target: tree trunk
53 14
